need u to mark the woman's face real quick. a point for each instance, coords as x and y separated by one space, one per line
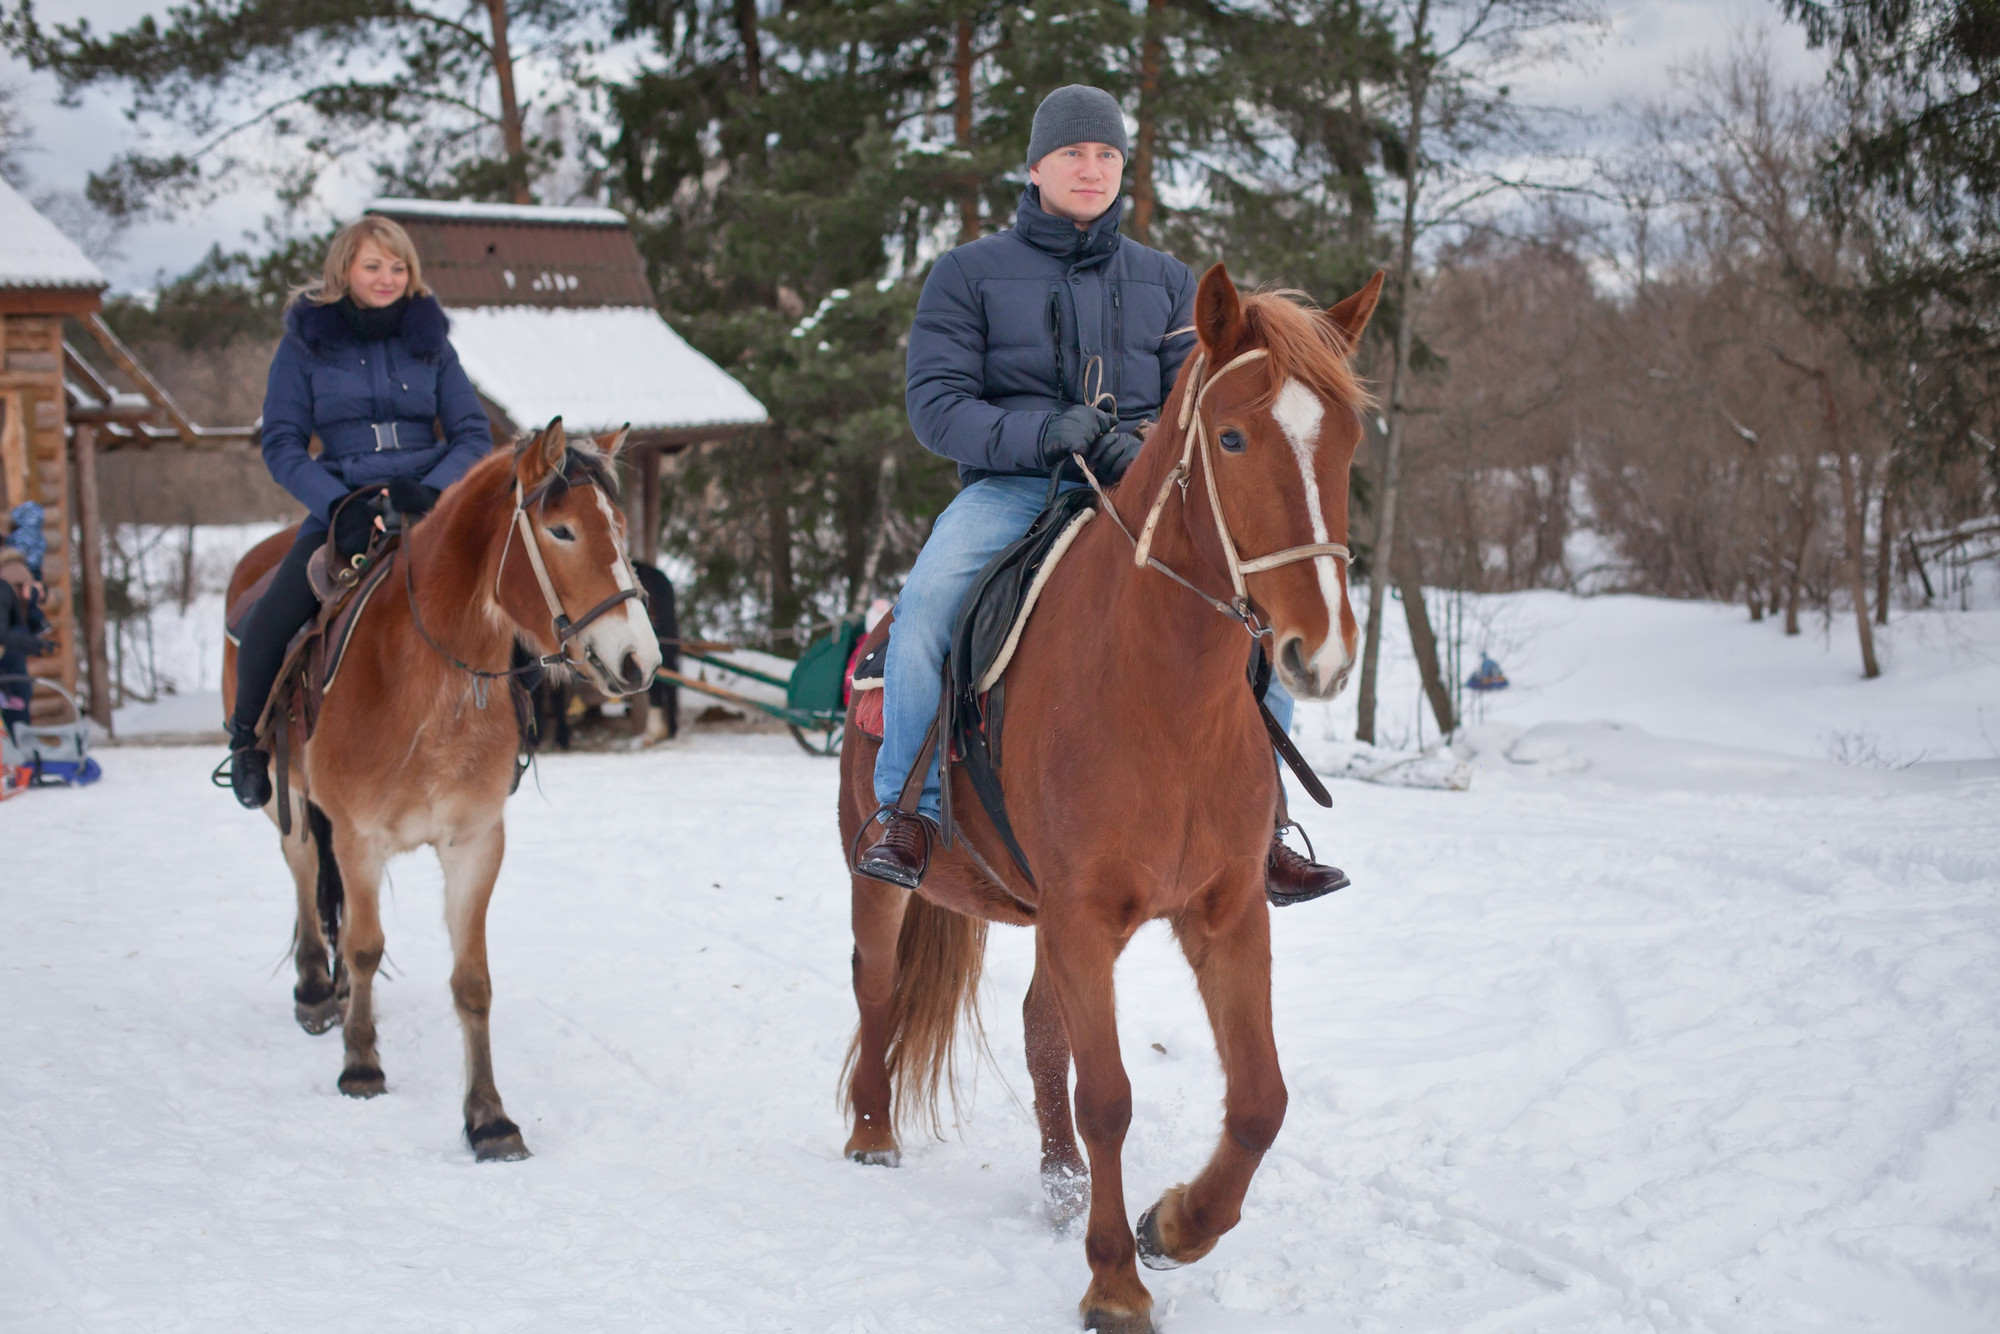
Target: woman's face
377 278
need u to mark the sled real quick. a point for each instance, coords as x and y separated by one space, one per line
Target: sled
46 754
815 707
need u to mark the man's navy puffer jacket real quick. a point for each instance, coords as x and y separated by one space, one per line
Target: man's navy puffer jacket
376 406
1007 325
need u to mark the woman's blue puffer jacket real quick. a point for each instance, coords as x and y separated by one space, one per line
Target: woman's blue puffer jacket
377 407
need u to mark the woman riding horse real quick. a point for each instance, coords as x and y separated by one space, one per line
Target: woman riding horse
1017 336
366 366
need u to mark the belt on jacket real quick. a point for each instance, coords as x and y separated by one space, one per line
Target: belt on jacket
386 436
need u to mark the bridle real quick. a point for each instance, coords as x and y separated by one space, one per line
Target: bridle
1194 431
565 629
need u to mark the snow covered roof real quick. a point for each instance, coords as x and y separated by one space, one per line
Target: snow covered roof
597 368
34 253
531 213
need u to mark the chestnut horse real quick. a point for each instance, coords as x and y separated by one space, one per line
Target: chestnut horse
416 742
1140 782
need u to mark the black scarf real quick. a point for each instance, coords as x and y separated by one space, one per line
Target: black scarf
372 324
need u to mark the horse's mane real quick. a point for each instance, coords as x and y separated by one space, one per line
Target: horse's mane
583 462
1304 345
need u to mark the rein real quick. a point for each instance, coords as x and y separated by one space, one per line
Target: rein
565 629
1194 432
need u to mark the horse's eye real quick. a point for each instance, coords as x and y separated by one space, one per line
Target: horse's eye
1232 441
562 533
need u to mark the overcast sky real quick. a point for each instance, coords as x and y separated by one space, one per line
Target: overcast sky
1645 41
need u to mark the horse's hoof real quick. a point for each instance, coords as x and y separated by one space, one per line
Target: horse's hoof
877 1157
363 1081
317 1019
1152 1253
1067 1192
1118 1322
498 1142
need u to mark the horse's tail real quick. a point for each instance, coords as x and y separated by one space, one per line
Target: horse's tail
332 893
940 955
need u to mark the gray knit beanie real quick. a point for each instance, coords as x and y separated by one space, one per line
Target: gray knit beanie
1077 114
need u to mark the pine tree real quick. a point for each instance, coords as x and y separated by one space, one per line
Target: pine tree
440 76
767 160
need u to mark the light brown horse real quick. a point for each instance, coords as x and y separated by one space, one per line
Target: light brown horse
1140 781
416 742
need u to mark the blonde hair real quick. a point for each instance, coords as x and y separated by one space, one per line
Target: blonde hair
331 285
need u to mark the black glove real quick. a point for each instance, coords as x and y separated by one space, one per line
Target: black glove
410 497
1071 431
1111 454
354 523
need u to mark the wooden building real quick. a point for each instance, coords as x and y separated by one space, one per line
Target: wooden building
552 315
44 278
57 410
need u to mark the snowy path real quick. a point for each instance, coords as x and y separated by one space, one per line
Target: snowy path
1573 1055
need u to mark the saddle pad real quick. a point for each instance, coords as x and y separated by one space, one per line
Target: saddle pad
866 714
864 683
992 674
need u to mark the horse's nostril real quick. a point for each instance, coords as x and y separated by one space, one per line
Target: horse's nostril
631 673
1294 659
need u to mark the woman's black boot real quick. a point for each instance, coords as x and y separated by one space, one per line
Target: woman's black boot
249 768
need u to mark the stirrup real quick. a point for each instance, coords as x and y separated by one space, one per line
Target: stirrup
876 817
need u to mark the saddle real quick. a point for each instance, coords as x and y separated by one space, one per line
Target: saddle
312 659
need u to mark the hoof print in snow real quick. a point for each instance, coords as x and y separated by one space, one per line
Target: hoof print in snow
1152 1253
363 1081
499 1142
877 1157
1067 1193
1100 1321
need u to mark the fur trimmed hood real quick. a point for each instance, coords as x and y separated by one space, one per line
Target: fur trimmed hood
323 327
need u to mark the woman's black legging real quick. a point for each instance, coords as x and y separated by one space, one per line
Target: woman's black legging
286 605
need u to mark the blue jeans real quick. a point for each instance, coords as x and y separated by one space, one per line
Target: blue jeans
985 518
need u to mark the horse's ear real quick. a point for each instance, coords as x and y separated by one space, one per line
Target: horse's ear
1218 315
536 456
611 442
554 444
1352 315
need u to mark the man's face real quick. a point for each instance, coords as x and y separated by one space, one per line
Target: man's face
17 574
1079 182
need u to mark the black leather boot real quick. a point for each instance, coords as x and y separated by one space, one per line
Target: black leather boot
249 768
1291 877
901 853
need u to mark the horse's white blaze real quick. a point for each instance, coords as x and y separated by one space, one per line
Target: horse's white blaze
1299 414
639 637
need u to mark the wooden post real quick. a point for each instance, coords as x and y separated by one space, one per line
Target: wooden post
90 539
646 544
15 472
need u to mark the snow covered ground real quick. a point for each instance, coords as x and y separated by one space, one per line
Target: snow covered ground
1670 1022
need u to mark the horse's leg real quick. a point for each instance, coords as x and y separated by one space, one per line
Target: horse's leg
314 1004
878 920
471 865
1232 965
1078 954
1065 1179
360 955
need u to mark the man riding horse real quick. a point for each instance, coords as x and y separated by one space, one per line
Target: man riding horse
1019 337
